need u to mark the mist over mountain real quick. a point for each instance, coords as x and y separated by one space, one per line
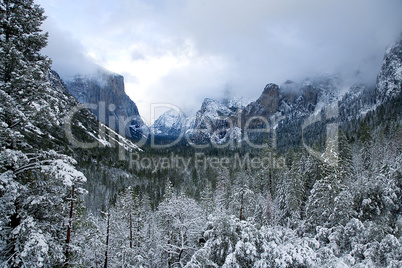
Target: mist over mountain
221 122
198 49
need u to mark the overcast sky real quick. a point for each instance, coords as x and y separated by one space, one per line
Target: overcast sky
182 51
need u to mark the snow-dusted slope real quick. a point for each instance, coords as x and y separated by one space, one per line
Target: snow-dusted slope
171 123
212 115
215 122
389 80
212 109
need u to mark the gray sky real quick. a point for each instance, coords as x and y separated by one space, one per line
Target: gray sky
182 51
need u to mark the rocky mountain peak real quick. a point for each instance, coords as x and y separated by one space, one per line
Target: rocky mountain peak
104 91
269 96
214 107
267 104
169 123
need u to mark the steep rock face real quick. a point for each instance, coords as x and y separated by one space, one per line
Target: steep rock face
294 100
210 113
290 98
267 104
389 80
104 91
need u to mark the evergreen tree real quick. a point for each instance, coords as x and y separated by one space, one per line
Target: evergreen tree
345 157
128 236
366 143
34 200
321 201
90 240
222 191
169 189
207 200
296 191
281 197
243 201
22 68
330 202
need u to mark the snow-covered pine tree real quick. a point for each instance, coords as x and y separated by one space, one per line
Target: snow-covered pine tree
36 182
345 157
296 191
366 144
207 200
279 203
22 69
222 191
242 202
89 240
330 202
168 190
34 205
128 236
180 223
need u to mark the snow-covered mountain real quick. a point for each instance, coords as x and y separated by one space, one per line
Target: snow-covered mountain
103 92
173 123
215 122
220 122
169 124
283 107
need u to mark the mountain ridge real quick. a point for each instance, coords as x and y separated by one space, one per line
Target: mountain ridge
293 102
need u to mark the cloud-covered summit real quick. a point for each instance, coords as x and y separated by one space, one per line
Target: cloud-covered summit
183 51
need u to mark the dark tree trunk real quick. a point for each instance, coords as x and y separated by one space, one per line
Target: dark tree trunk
70 223
271 188
131 231
241 204
107 237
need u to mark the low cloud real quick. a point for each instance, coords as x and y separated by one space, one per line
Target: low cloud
68 54
184 51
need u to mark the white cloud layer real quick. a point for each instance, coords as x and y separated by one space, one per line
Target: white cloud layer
181 51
